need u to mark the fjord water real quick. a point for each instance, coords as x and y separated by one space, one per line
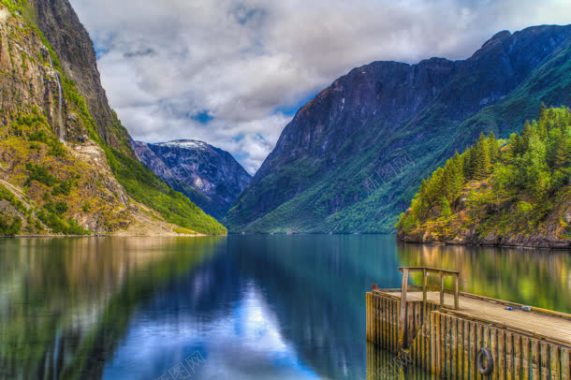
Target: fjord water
242 307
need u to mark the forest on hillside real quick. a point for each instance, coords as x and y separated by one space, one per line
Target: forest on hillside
499 188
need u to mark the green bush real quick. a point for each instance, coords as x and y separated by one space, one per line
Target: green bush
58 208
63 188
10 225
39 173
40 136
59 225
57 149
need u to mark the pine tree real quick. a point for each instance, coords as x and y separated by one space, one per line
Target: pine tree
453 178
536 176
493 147
470 160
529 130
482 162
516 143
562 152
445 209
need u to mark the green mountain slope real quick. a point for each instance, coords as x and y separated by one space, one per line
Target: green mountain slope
512 192
66 161
352 158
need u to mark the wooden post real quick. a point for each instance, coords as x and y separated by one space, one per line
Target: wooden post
424 293
456 292
554 365
424 286
543 360
402 321
441 289
510 357
501 356
535 363
565 366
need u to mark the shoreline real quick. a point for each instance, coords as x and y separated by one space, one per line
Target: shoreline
481 244
40 236
398 238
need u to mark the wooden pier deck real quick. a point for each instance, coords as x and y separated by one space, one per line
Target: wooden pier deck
544 323
449 333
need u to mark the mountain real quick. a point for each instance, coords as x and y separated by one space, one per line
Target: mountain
353 157
66 163
515 192
209 176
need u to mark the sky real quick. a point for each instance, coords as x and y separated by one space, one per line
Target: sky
234 72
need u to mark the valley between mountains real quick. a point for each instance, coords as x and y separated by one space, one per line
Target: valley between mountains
350 161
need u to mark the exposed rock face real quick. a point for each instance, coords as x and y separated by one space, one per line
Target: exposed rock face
352 158
209 176
66 163
35 113
65 33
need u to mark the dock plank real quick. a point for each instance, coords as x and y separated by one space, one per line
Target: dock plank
553 327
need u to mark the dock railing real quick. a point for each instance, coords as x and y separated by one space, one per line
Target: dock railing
426 271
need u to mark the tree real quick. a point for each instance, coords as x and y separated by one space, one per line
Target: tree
536 175
493 147
482 162
516 144
562 151
445 209
454 178
469 162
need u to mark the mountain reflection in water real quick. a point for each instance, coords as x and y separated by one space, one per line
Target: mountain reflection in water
240 307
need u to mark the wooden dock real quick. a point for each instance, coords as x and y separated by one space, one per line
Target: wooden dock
460 335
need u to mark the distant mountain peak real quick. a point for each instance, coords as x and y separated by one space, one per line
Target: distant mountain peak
185 144
209 176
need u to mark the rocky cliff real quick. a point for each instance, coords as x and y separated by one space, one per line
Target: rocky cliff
352 158
66 163
66 35
209 176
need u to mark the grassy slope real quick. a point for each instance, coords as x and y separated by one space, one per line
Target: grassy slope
147 188
378 210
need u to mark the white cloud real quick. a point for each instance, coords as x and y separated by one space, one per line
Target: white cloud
240 60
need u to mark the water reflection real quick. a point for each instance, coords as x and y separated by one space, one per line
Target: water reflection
532 277
65 303
279 307
276 307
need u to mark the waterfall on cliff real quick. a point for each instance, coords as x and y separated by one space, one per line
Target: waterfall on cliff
61 126
60 123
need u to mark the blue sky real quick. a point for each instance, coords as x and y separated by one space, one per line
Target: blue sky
233 72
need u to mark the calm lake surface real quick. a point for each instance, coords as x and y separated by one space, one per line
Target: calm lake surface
242 307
